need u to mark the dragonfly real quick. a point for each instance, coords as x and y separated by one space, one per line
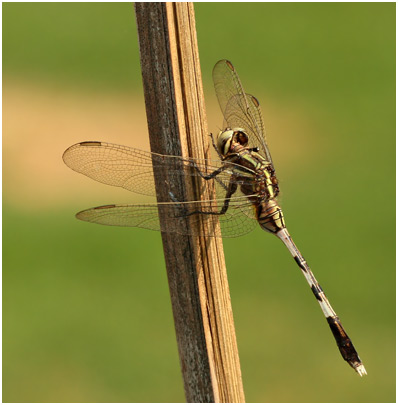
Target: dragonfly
243 183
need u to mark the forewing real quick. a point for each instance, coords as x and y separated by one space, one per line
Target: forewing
189 218
239 108
132 169
115 165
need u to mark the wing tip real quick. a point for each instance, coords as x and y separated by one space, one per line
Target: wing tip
78 145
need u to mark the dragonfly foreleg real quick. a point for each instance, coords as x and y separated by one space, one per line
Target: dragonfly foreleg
215 147
231 190
211 175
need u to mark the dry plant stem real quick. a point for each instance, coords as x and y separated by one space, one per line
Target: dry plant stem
195 266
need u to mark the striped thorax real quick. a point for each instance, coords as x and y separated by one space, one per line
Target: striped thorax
232 145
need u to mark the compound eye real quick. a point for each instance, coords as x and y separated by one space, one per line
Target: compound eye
224 141
242 138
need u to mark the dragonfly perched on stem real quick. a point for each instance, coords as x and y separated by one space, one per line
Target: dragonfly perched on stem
243 180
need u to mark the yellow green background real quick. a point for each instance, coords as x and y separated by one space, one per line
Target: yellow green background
86 309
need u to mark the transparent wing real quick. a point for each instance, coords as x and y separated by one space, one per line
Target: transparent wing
132 169
239 108
187 218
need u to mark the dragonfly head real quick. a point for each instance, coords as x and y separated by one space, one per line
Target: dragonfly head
230 137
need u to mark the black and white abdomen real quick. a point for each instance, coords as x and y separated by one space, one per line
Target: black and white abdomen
270 216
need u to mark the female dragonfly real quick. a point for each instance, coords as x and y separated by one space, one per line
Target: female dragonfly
243 180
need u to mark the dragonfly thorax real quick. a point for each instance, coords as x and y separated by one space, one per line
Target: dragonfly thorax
229 137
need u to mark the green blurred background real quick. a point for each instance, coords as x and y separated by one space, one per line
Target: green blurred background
86 309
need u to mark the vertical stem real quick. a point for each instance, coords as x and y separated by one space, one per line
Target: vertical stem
195 265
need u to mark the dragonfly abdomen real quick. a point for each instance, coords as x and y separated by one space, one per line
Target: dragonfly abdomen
344 343
270 216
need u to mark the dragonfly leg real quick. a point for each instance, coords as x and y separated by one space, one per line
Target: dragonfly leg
214 174
211 175
215 147
231 190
